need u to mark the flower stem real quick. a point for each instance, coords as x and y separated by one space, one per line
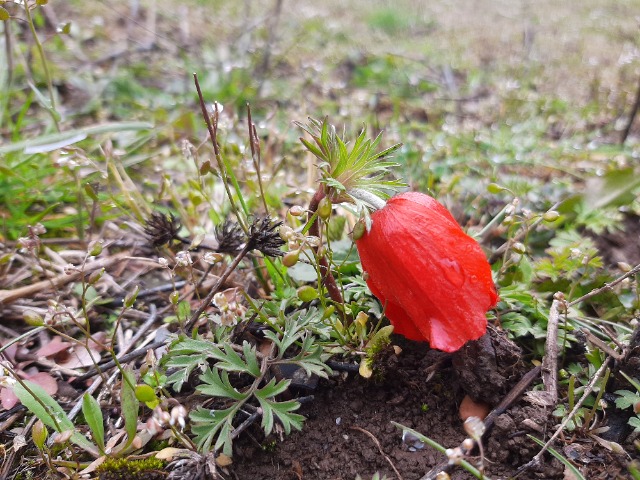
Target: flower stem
325 269
375 201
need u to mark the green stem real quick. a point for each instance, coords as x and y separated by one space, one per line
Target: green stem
45 67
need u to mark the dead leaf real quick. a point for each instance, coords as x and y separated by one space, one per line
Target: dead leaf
8 400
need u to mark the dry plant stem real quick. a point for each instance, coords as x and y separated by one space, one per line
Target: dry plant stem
550 360
141 352
377 442
9 296
515 393
223 278
254 142
45 66
587 391
325 269
122 354
607 286
632 116
212 127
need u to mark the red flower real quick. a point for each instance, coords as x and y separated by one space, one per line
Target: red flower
433 279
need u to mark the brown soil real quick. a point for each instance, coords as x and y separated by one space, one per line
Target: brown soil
333 444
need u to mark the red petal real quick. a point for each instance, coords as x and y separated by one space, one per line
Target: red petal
434 278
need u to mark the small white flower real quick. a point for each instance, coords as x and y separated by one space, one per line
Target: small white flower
38 229
70 269
164 263
183 259
220 301
212 258
6 380
455 455
178 415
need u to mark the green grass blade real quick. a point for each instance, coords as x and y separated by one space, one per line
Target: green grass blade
565 462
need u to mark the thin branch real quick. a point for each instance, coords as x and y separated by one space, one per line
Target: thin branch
223 278
605 287
377 442
632 116
550 360
587 391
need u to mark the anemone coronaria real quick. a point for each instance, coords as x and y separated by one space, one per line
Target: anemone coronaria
432 278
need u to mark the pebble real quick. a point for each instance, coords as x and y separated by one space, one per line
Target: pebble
471 408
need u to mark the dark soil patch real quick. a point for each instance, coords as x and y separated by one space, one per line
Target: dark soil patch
330 448
622 246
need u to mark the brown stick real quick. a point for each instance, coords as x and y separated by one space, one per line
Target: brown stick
502 407
632 116
10 296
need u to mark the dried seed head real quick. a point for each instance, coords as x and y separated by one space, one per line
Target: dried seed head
264 237
162 228
230 237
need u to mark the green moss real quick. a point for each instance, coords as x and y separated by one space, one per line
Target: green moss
125 469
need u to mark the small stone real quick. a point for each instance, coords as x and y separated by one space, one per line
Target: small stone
471 408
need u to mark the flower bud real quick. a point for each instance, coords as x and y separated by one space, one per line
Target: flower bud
362 319
130 299
95 248
324 208
39 434
62 437
296 211
358 230
468 444
495 188
95 276
174 298
551 216
307 293
518 248
178 416
291 258
32 318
